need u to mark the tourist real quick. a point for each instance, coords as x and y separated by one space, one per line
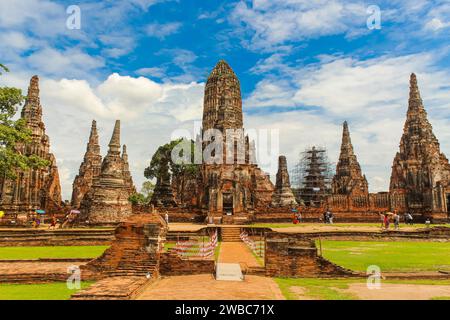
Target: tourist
396 218
330 217
166 217
325 217
299 217
53 222
386 221
409 219
382 220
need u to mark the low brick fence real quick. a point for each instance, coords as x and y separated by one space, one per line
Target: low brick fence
171 264
290 257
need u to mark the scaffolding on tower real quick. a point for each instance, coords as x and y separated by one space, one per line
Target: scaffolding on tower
311 177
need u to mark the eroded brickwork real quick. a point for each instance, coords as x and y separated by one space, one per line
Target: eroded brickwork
34 188
420 171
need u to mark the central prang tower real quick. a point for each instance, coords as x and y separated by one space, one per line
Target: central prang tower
236 186
222 105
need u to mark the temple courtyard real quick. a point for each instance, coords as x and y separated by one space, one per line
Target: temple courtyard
412 268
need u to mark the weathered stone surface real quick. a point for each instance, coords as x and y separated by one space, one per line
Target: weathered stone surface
127 178
107 200
136 249
348 179
420 171
35 188
236 186
89 169
283 195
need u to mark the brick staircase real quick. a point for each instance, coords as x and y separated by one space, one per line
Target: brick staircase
231 234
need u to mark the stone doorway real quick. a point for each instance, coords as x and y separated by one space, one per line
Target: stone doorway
227 203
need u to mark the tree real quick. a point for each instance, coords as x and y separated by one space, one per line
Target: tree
14 133
162 166
147 190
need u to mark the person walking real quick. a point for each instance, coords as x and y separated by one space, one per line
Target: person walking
386 221
166 217
396 221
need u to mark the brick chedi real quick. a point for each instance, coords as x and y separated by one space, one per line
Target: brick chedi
107 200
34 188
419 170
128 179
89 168
348 179
283 196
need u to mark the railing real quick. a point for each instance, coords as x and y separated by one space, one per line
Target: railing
198 247
256 246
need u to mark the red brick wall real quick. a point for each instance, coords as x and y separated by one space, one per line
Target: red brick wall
172 264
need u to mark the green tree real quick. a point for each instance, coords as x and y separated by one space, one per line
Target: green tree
162 166
14 133
147 190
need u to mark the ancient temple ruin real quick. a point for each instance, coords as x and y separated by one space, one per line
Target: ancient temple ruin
231 185
283 196
236 186
89 168
348 179
420 171
107 201
34 188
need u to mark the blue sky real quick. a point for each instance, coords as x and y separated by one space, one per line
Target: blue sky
304 67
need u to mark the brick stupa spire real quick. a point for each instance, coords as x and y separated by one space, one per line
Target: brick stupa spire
107 200
348 179
283 196
89 168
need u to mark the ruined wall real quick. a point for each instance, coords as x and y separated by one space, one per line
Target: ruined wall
173 265
290 257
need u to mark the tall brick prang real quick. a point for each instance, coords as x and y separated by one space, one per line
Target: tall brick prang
33 188
419 170
348 179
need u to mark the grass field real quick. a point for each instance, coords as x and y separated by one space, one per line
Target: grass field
389 256
334 289
47 291
338 225
24 253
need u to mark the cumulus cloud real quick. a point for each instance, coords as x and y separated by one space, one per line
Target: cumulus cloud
272 23
162 30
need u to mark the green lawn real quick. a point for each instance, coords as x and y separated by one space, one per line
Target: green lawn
24 253
389 256
334 289
375 225
46 291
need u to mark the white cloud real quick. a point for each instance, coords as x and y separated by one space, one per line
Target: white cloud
162 30
272 23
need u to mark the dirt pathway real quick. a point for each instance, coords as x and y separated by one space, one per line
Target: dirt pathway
237 252
205 287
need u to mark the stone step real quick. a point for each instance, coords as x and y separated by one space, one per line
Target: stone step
229 272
